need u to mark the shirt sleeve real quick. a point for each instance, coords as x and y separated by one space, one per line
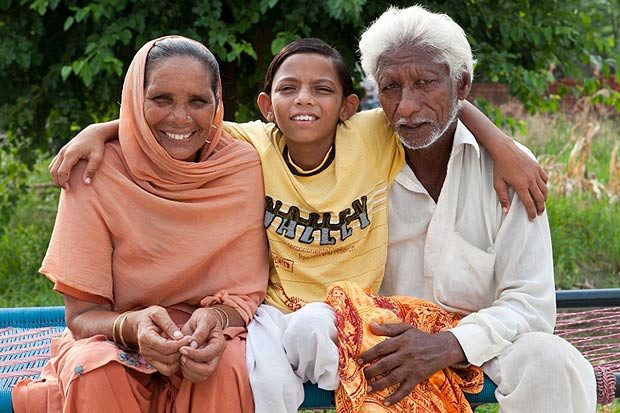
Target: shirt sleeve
524 289
252 132
382 143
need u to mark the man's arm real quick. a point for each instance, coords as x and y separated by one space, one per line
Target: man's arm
524 289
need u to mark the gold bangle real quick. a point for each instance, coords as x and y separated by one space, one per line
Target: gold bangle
219 316
224 320
120 328
114 325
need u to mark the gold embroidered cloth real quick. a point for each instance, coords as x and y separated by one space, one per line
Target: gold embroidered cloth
355 309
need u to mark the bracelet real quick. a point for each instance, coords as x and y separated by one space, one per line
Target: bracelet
118 317
120 328
224 320
119 323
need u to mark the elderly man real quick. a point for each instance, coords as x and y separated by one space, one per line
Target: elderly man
451 243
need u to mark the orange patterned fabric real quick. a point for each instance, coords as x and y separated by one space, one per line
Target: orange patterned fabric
355 310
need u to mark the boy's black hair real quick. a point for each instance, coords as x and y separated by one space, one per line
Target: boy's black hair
310 45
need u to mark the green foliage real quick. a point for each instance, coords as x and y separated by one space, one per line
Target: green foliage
13 183
24 238
518 41
494 408
21 251
585 235
71 56
498 117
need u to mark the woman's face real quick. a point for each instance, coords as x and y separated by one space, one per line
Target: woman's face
179 105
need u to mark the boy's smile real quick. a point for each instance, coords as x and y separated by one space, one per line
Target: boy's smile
306 103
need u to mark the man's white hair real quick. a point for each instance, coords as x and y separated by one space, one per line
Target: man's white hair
415 25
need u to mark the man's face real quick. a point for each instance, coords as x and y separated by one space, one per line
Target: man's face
418 96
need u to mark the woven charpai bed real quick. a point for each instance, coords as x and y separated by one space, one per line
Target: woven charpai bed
25 335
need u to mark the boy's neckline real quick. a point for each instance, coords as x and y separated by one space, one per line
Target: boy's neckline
296 170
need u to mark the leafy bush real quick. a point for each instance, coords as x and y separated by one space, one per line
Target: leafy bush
25 234
71 55
585 233
13 183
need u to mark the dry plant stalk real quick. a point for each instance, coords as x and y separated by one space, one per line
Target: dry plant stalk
613 185
574 177
581 152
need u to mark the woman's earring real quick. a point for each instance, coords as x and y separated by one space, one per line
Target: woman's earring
212 127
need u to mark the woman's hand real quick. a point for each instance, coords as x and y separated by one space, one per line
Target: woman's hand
515 168
199 359
89 144
157 337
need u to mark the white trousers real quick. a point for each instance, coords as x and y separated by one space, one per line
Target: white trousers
285 350
538 373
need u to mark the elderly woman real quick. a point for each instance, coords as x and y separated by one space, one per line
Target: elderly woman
163 260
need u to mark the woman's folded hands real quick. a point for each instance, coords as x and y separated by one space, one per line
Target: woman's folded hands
200 357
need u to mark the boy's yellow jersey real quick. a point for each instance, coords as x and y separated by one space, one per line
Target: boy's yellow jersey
329 224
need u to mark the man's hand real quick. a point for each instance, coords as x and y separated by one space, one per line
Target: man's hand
407 358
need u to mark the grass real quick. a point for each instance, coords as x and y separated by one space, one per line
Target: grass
585 234
585 227
494 408
554 135
24 240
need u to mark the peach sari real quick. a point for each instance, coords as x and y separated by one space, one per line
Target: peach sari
152 230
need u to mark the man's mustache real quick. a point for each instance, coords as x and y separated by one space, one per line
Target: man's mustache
413 121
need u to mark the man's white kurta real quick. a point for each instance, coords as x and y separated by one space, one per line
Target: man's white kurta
465 255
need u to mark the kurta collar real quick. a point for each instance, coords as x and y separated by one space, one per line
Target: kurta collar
462 137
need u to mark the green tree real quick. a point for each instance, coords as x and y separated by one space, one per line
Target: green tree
63 60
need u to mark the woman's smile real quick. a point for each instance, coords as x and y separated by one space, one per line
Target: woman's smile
178 136
179 106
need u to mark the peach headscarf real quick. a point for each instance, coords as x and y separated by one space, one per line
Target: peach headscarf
148 162
153 230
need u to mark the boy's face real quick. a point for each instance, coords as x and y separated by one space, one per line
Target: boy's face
306 100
